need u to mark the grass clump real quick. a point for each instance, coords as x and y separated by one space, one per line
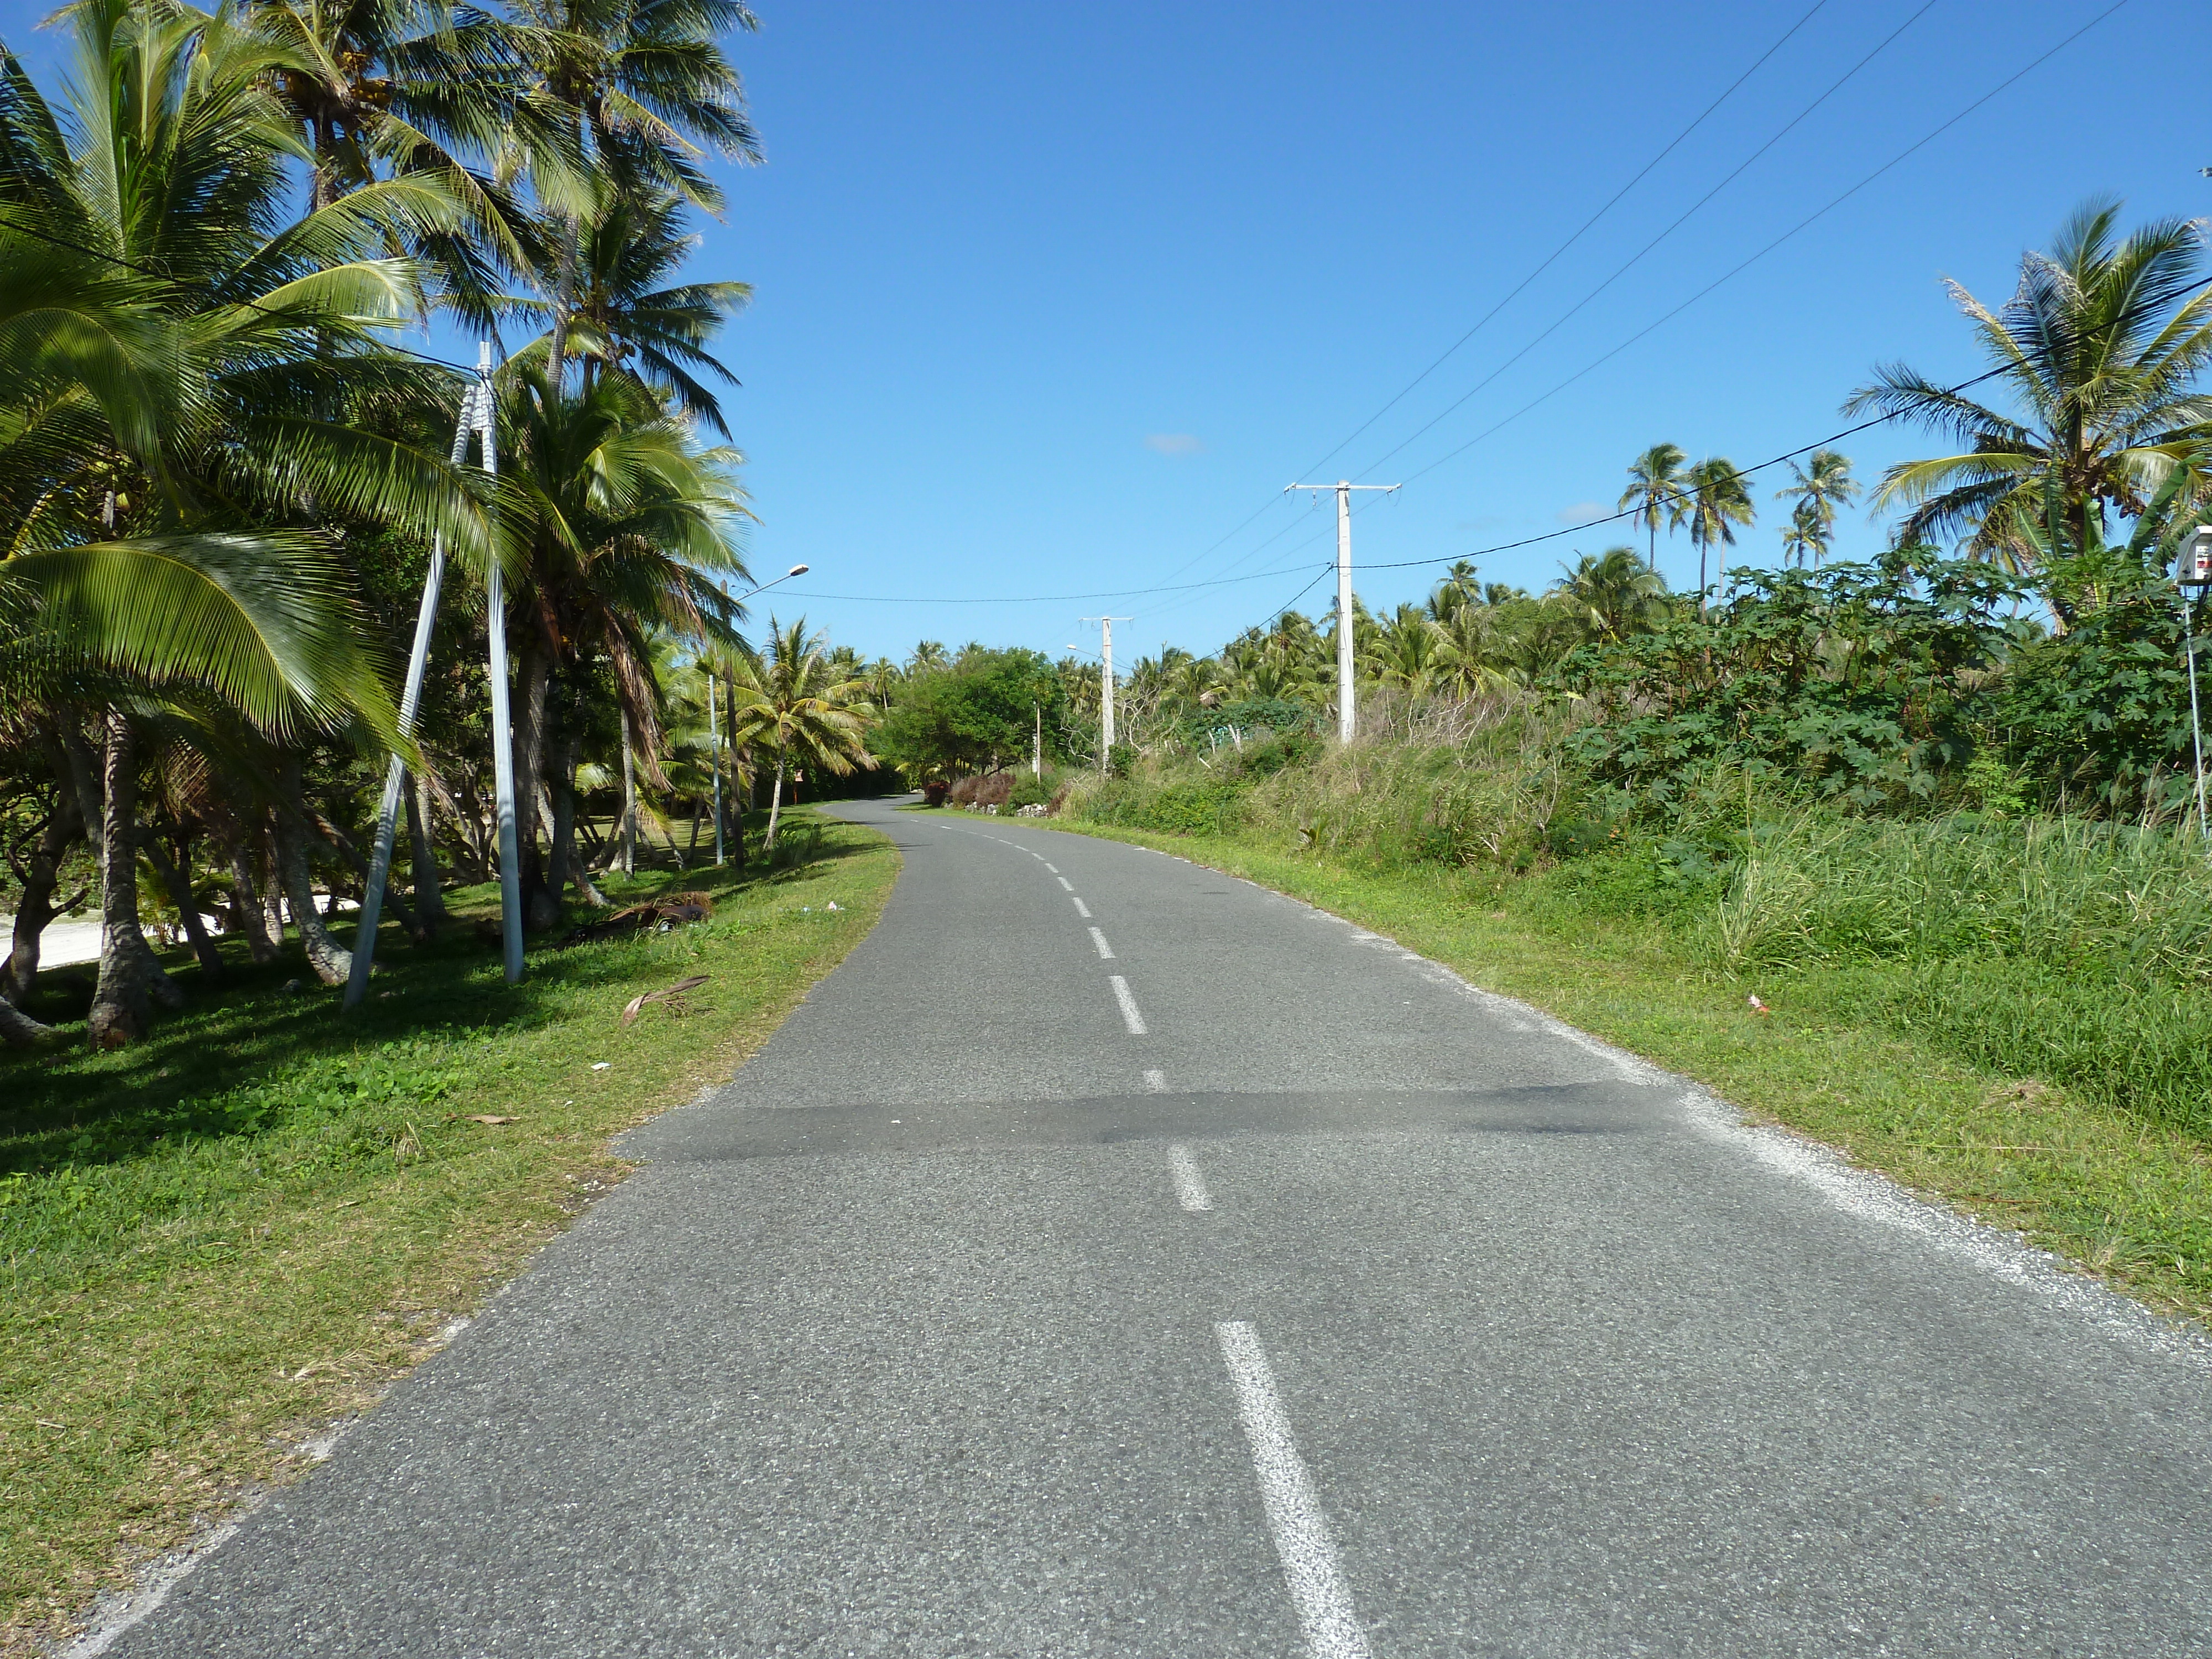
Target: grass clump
218 1241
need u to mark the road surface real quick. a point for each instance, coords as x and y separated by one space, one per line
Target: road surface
1114 1258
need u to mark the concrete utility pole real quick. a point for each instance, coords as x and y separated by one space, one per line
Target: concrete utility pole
503 719
1106 686
473 417
1037 745
1346 720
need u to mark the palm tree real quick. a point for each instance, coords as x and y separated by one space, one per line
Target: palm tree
1655 491
787 704
2099 346
929 657
1616 594
1818 488
627 317
377 88
1409 651
624 97
1717 501
620 524
1459 586
167 335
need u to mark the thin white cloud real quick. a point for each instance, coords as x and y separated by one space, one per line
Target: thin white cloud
1581 512
1173 443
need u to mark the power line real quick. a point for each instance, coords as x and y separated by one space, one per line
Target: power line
1682 219
1745 265
1048 599
1543 265
1612 201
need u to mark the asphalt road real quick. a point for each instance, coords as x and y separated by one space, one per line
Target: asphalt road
1114 1258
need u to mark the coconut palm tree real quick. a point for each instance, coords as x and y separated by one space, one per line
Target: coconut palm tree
787 704
1657 492
1817 486
621 97
2101 347
183 365
1718 502
628 317
930 657
621 526
377 88
1617 594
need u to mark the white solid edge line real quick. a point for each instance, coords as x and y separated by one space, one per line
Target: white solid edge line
1105 951
1156 1082
1130 1017
1082 909
1190 1185
1066 883
1294 1513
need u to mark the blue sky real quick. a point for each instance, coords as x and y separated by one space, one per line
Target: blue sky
1050 299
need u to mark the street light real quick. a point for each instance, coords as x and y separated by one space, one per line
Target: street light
2193 574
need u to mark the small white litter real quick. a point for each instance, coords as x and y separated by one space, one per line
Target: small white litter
601 1065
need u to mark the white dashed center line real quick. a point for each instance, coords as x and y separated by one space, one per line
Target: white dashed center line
1066 883
1048 867
1104 949
1082 909
1294 1513
1156 1082
1130 1016
1190 1186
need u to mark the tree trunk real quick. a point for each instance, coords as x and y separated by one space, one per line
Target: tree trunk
39 876
559 809
177 877
541 906
18 1029
698 811
429 903
131 975
330 961
629 802
774 808
257 918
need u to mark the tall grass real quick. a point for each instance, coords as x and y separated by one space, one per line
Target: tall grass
2074 951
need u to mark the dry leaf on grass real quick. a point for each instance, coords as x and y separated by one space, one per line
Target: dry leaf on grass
490 1117
630 1010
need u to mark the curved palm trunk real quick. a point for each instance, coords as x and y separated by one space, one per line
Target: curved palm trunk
330 961
18 1029
131 978
257 918
39 876
177 877
774 807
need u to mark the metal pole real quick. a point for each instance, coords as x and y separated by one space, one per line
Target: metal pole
2196 726
1347 720
715 747
502 718
395 775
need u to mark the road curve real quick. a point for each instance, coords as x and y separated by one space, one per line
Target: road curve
1112 1257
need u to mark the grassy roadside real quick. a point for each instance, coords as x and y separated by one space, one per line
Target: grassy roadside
219 1242
2129 1200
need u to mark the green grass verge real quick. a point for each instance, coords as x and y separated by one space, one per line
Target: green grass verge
1852 1056
244 1229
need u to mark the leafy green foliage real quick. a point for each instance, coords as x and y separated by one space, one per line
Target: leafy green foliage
981 711
1859 681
